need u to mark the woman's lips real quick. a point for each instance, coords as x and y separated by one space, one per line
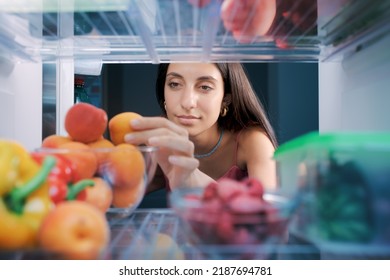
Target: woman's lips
187 119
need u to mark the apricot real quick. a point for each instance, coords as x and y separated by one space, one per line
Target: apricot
54 141
129 196
75 230
84 161
124 166
101 148
166 248
85 123
101 143
100 195
119 126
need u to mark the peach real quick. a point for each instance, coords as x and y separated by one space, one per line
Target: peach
100 195
101 148
125 166
101 143
84 161
119 126
128 197
54 141
85 122
75 230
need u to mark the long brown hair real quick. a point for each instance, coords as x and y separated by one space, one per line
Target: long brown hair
245 109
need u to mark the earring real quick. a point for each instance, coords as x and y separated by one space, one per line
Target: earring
224 111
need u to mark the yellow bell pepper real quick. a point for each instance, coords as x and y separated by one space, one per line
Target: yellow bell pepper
9 167
24 204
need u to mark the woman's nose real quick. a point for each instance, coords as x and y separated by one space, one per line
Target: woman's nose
189 99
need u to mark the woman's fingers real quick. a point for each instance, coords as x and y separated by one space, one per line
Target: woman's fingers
179 145
159 136
184 162
148 123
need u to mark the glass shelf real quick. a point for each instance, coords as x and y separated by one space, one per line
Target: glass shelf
154 31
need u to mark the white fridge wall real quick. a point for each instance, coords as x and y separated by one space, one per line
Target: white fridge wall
21 103
354 95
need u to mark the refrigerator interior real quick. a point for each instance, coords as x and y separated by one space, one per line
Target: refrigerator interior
44 44
348 39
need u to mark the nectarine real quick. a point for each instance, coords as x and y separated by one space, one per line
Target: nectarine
125 166
85 123
54 141
84 161
100 195
128 197
75 230
101 148
119 126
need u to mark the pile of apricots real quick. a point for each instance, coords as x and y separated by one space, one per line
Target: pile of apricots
93 156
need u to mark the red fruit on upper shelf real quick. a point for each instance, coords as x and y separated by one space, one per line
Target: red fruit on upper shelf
85 122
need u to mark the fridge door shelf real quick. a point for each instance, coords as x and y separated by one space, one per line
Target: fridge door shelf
166 30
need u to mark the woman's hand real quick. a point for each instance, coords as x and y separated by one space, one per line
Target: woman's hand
176 152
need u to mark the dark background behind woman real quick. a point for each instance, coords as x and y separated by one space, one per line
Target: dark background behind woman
289 91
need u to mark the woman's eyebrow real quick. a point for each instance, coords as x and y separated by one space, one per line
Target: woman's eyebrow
174 74
201 78
207 78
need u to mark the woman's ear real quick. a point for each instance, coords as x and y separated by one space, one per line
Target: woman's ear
227 99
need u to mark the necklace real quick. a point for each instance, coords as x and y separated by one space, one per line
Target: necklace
212 150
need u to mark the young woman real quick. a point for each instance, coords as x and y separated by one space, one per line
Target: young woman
214 126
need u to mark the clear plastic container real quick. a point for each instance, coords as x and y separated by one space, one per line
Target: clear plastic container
344 181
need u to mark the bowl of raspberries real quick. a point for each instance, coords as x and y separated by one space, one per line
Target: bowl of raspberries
233 213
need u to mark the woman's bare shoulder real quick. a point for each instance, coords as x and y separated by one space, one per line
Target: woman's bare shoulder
254 136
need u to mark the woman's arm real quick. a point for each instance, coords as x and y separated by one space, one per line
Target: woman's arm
257 151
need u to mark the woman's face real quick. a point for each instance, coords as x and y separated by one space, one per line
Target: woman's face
193 94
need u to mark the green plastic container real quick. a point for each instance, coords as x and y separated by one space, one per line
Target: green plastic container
344 179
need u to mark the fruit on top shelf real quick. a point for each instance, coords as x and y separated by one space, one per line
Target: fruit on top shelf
75 230
85 123
119 126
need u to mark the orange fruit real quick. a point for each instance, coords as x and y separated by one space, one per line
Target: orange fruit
54 141
75 230
84 161
100 195
124 166
101 148
101 143
119 126
128 197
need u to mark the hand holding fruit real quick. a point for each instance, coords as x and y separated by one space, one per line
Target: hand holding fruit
175 150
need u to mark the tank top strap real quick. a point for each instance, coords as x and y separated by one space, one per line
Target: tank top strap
236 149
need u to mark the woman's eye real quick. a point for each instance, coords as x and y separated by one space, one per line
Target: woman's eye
205 88
173 84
